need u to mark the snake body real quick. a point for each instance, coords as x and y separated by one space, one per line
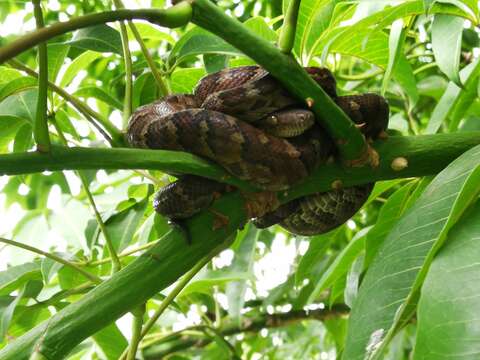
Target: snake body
243 119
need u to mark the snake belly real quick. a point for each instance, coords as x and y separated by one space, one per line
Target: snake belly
244 120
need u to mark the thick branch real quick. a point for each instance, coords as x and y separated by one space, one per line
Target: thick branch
175 16
426 155
177 342
349 140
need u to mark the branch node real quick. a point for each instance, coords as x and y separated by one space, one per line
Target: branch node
398 164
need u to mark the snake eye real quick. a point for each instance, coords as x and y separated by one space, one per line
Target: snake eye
272 120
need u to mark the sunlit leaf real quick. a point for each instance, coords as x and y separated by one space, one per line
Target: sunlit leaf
100 38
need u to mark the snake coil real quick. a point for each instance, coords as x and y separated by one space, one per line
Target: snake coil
243 119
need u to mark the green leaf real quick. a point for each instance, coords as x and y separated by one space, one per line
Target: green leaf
215 62
22 105
259 26
17 85
317 247
447 321
401 263
9 126
31 230
145 90
151 32
8 74
197 42
16 276
395 48
7 307
184 80
80 63
353 280
56 54
111 342
50 268
100 38
341 264
390 212
243 261
447 44
99 94
23 138
205 282
122 226
454 96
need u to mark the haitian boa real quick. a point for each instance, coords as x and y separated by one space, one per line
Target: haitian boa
241 118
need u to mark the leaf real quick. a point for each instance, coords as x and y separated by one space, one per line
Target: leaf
453 96
341 264
7 307
390 212
395 47
23 138
122 226
213 278
215 62
152 32
9 126
447 44
197 42
317 247
259 26
243 261
16 276
353 280
50 268
184 80
100 38
145 90
56 54
17 85
468 6
22 105
111 342
81 62
8 74
399 268
99 94
447 321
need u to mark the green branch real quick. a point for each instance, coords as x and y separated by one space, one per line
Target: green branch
93 278
286 39
175 16
40 128
426 155
293 77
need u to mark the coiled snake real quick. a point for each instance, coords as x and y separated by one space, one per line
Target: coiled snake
243 119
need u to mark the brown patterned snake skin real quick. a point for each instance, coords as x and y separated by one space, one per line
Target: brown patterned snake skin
244 120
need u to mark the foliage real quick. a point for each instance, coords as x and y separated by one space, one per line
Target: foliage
405 265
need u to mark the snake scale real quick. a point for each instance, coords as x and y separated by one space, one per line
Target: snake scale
244 120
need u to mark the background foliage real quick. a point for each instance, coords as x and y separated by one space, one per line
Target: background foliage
271 295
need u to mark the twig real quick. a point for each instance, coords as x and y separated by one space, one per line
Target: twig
286 39
40 128
175 16
93 278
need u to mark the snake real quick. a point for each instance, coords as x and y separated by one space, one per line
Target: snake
245 120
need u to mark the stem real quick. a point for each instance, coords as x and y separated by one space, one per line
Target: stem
123 254
136 334
174 16
291 75
286 39
364 76
424 67
40 128
93 278
426 155
179 340
114 135
127 103
116 264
